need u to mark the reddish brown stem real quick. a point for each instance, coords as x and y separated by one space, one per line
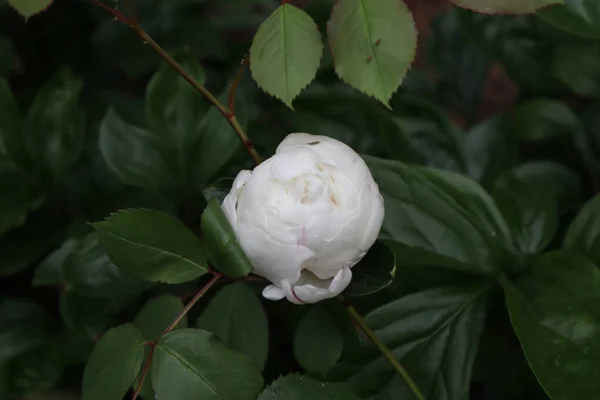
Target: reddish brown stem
138 388
189 305
225 111
235 84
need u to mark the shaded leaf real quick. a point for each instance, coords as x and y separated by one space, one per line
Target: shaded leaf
88 271
35 372
135 155
530 211
18 196
11 122
54 129
578 67
566 185
113 364
157 314
374 272
505 6
579 17
583 234
490 148
425 135
373 44
236 316
285 53
554 310
23 326
433 333
543 119
224 251
49 271
184 363
214 142
318 341
88 316
440 218
300 387
152 245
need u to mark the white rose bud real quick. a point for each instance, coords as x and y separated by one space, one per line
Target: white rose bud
305 216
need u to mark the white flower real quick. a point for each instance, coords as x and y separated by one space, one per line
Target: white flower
305 216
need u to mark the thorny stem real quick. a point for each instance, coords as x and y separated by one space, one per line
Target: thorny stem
225 111
172 325
385 351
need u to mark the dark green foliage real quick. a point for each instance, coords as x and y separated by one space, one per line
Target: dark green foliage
484 282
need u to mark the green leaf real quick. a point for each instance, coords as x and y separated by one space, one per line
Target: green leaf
523 45
184 364
173 106
565 183
28 8
505 6
426 135
374 272
214 142
489 149
285 53
10 121
433 333
543 119
441 218
300 387
530 211
554 310
237 317
8 60
87 316
461 69
70 348
54 129
373 44
224 252
19 196
157 314
138 157
88 271
153 246
114 364
579 17
23 326
318 341
583 235
49 271
35 372
578 67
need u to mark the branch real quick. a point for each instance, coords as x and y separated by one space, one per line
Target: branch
235 84
385 352
189 305
226 112
172 325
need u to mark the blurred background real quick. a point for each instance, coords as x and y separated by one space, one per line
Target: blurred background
485 94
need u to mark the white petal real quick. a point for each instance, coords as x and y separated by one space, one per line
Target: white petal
271 259
230 202
273 292
315 290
